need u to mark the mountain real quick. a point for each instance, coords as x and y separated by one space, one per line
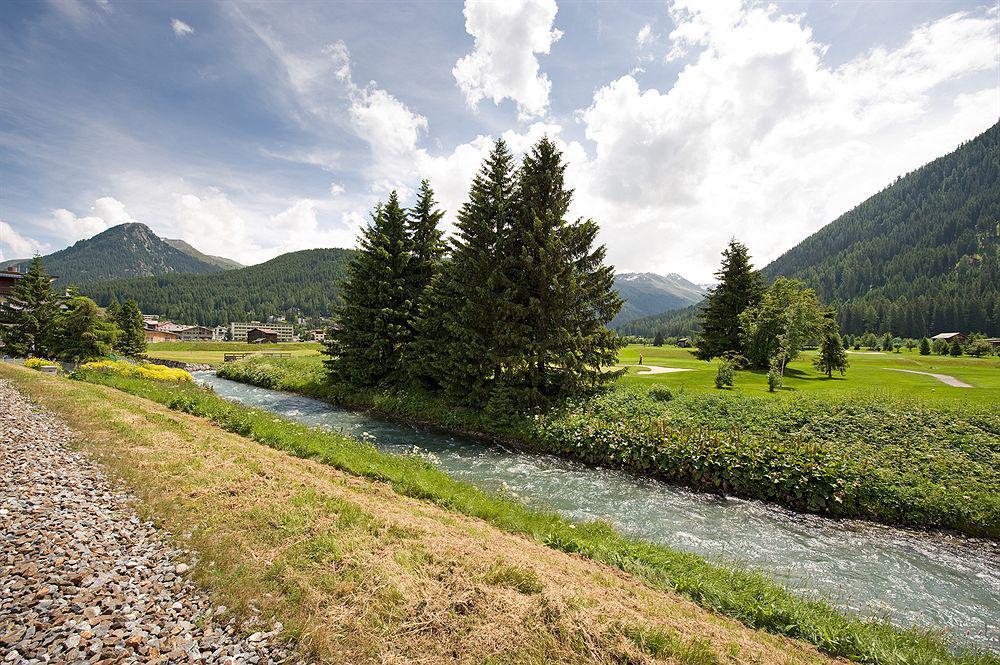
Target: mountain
675 323
126 250
920 257
219 261
647 293
307 281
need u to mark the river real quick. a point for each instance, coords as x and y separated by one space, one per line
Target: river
910 577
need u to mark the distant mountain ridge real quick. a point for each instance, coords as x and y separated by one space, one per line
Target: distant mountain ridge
647 293
126 250
919 257
220 261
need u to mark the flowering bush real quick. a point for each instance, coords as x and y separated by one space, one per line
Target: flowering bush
144 371
36 363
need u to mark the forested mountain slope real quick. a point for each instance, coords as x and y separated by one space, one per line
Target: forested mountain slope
126 250
308 281
919 257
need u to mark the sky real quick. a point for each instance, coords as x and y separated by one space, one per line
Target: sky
254 129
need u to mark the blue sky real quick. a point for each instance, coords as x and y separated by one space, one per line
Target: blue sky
254 129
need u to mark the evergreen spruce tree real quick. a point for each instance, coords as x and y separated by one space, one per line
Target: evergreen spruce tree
562 293
27 316
473 294
739 288
925 346
80 333
427 250
427 246
132 335
832 356
658 339
366 350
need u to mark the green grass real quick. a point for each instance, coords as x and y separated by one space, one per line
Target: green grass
867 372
749 597
213 353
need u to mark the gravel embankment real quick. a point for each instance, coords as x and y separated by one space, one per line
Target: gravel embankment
82 577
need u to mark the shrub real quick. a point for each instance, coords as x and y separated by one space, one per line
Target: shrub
725 377
774 379
660 393
36 363
144 370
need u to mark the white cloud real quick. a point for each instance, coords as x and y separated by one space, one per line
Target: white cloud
503 63
336 189
759 138
180 28
644 35
13 245
106 212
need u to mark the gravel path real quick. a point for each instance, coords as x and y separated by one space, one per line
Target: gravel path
656 369
82 578
943 378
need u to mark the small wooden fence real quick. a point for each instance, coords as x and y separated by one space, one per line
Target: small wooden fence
233 357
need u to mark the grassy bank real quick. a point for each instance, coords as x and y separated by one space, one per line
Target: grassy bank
213 353
358 572
751 598
873 456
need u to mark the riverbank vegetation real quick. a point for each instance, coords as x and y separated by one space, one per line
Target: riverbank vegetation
868 455
748 597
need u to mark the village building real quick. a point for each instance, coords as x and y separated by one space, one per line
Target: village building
262 336
196 334
219 333
10 277
949 337
153 336
238 331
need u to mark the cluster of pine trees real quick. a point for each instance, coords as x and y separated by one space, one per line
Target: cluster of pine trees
36 321
745 323
511 313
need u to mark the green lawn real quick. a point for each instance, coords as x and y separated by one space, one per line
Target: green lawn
213 353
867 372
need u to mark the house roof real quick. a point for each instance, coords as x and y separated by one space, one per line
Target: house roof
267 331
947 335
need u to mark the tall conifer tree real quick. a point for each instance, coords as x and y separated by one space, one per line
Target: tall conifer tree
739 288
132 336
427 250
427 245
27 316
474 292
562 294
367 349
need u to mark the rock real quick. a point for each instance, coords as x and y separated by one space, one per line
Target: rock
85 579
